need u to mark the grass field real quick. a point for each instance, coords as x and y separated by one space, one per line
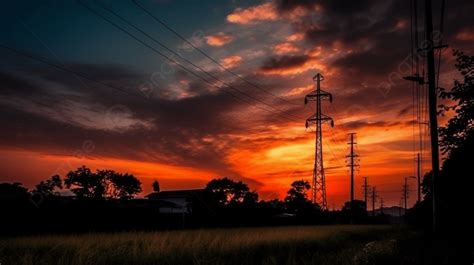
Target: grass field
269 245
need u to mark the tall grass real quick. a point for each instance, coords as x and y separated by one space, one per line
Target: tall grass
270 245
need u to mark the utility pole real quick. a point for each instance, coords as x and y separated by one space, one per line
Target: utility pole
406 192
352 163
374 197
366 188
381 205
429 48
318 186
432 97
400 210
418 162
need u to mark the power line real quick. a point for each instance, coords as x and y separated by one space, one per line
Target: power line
65 69
185 68
78 75
186 60
207 55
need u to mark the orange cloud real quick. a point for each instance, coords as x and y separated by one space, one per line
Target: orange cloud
299 90
263 12
465 35
295 37
284 48
231 61
294 69
401 24
220 39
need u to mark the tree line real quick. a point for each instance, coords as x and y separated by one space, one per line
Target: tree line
107 184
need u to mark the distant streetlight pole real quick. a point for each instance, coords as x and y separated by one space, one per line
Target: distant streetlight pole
419 176
406 192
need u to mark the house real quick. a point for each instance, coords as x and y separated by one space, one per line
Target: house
186 202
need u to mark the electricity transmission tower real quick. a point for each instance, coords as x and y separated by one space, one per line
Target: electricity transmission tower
366 188
352 163
318 186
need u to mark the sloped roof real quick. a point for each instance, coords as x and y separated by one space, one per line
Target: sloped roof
175 193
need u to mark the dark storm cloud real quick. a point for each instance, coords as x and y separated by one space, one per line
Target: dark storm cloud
187 132
354 125
377 33
376 61
366 22
284 62
367 28
289 5
334 6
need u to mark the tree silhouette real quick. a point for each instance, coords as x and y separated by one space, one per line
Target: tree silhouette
85 183
156 186
124 186
48 186
298 190
355 211
461 126
296 199
457 142
228 192
102 184
13 192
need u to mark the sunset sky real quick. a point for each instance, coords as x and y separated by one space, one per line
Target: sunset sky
169 125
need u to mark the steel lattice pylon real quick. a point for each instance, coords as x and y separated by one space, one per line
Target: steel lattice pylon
318 187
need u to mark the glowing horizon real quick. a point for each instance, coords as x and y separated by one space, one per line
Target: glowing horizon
175 127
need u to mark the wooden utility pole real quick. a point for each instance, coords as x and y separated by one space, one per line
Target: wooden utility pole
381 206
352 164
366 187
433 97
374 196
400 210
405 194
418 162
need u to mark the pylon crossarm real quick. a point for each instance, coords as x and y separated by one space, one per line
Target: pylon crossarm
313 120
325 94
314 95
